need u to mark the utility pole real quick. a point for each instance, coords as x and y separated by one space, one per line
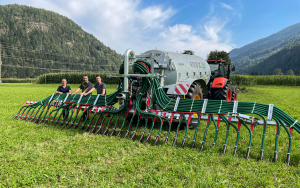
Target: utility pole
0 64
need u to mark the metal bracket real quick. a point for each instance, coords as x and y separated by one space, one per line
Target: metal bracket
254 120
177 102
235 106
96 99
233 114
80 98
204 106
66 97
243 117
51 97
136 75
270 112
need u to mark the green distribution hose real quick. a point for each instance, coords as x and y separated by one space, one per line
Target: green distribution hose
220 107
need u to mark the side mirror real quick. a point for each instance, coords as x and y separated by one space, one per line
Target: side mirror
232 68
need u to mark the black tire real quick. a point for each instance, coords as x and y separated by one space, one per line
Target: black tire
233 92
193 91
221 94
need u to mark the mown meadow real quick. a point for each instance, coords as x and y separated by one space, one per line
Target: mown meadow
39 155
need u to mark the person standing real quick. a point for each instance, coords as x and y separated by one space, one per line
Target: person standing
85 86
64 88
99 86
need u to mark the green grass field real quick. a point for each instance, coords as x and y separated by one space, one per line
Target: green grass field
45 155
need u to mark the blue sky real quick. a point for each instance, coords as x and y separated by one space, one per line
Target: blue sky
174 25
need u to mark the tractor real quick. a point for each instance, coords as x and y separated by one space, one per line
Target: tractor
219 85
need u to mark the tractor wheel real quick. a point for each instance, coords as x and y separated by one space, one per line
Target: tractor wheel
233 92
224 93
195 92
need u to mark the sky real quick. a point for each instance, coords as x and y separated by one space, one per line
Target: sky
174 25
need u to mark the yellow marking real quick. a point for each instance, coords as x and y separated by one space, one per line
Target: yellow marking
196 97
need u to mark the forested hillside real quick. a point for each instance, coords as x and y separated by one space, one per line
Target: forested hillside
252 54
36 38
286 59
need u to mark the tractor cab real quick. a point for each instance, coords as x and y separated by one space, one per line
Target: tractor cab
219 85
219 68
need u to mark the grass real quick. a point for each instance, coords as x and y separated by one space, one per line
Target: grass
44 155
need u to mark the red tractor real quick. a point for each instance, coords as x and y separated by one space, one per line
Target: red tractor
219 86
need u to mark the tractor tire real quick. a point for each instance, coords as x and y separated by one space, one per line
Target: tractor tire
222 93
233 92
194 92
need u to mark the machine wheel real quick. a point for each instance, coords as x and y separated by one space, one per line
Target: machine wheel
233 92
194 92
224 93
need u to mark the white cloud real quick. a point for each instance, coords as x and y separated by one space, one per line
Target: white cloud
154 17
182 37
122 24
226 6
211 34
214 26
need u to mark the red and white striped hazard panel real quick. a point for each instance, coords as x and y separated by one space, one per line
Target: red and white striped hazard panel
182 89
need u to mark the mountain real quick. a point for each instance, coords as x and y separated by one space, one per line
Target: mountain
43 41
286 59
253 54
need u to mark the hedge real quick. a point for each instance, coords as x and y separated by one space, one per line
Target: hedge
265 80
74 78
18 80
